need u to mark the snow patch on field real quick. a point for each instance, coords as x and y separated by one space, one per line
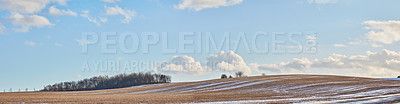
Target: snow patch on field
195 88
316 100
117 91
242 85
371 93
288 100
164 89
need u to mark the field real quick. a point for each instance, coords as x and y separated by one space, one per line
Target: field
266 89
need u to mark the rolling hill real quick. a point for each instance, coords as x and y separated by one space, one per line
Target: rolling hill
256 89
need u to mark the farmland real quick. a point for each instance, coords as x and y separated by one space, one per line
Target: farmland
255 89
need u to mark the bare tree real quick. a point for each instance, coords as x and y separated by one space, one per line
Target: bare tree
239 74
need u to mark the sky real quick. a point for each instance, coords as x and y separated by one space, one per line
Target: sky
49 41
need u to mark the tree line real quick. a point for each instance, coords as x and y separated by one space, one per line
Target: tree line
105 82
238 74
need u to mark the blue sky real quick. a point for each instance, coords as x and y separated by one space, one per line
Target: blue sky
41 40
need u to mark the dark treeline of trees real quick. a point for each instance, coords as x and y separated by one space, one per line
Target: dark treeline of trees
105 82
224 76
238 74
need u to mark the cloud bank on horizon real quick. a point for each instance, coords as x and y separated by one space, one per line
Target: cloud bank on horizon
373 64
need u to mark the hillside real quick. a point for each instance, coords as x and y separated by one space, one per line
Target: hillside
270 89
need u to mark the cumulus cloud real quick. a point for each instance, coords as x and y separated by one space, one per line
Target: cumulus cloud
339 45
54 11
294 66
180 64
373 64
221 62
85 14
385 32
110 1
128 14
198 5
27 6
321 1
227 62
27 21
265 67
23 12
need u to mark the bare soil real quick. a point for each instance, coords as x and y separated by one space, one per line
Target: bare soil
265 89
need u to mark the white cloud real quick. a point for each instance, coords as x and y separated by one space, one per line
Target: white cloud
265 67
321 1
110 1
356 42
373 64
30 43
180 64
83 42
128 14
54 11
228 62
198 5
27 21
222 62
58 45
85 13
27 6
339 45
23 12
296 65
385 32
